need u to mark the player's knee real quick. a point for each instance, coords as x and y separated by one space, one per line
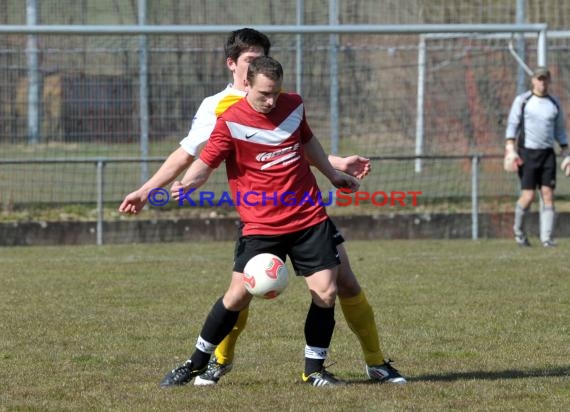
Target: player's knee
347 284
326 297
527 197
236 298
548 196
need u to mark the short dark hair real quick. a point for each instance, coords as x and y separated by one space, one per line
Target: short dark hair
265 65
242 40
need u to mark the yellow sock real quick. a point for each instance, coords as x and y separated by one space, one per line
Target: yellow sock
225 351
360 318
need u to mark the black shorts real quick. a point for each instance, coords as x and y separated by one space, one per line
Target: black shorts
337 237
538 169
311 250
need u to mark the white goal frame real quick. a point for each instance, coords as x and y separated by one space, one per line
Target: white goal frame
541 37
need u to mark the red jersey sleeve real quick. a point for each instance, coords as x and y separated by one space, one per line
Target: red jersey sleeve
305 129
219 146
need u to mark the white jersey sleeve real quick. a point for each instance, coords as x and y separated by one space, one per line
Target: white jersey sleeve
204 121
202 125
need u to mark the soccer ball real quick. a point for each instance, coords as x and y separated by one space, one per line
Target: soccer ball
265 276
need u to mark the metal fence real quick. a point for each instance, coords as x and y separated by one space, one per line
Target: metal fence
420 105
472 184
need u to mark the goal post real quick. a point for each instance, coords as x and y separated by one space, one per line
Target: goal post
541 57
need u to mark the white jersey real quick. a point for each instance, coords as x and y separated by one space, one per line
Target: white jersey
543 121
204 121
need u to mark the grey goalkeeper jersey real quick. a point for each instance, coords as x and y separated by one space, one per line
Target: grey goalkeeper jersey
543 121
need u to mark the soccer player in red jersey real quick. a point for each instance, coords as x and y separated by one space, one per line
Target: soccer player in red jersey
265 141
241 47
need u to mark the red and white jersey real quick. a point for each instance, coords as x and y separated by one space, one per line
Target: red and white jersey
272 185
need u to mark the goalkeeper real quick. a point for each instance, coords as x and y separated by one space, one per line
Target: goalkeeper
536 121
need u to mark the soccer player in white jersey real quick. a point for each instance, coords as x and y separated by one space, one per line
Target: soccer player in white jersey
536 122
241 47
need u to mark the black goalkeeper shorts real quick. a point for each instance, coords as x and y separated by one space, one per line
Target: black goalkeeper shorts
538 169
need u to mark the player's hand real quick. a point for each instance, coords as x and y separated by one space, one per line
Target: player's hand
175 189
133 203
343 181
565 165
356 166
512 160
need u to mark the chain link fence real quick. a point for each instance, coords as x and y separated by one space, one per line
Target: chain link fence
89 94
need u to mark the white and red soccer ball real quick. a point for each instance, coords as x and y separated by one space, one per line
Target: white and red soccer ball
265 276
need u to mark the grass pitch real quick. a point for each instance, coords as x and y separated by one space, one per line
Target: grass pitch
473 325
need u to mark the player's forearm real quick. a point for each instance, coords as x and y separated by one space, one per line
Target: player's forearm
510 143
197 175
336 162
170 169
317 157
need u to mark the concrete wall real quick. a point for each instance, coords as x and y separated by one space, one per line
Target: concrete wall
427 226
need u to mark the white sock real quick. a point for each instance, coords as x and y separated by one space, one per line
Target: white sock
205 346
546 223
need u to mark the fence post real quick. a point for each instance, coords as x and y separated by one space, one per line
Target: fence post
33 75
542 48
144 120
521 75
100 205
334 46
300 10
475 196
420 103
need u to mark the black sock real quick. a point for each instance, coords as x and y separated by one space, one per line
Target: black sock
319 328
218 324
200 359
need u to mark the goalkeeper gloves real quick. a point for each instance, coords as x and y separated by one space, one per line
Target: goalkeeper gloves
565 165
512 159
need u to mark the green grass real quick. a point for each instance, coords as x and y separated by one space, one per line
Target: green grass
474 325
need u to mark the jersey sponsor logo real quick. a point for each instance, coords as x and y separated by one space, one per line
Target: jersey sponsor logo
272 137
286 156
286 160
266 156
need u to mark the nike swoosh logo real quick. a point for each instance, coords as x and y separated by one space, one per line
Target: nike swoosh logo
249 136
